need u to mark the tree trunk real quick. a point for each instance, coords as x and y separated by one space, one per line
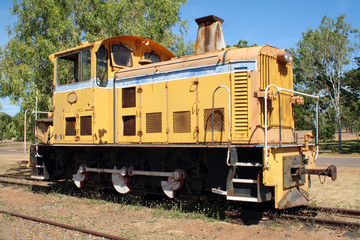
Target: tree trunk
339 132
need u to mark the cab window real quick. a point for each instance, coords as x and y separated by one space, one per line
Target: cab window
122 55
102 66
152 56
74 67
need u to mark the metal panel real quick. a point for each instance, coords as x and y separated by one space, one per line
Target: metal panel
292 164
182 122
129 126
70 126
154 122
85 125
128 97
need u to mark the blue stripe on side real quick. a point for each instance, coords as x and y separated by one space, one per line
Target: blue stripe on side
184 73
166 76
75 86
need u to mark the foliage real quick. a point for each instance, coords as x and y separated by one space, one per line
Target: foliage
351 109
303 116
12 127
349 147
322 57
326 132
5 120
243 44
47 26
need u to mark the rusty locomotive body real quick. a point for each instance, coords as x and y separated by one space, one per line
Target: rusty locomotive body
130 115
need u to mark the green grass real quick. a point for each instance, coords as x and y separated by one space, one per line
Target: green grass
348 147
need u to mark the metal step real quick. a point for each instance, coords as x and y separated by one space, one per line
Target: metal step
39 166
37 177
218 191
248 164
243 199
240 180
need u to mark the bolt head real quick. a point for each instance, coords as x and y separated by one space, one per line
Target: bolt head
123 171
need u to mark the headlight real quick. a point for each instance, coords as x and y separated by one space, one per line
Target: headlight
288 57
285 55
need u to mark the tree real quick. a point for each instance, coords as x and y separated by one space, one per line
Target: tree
322 57
5 120
243 44
351 93
47 26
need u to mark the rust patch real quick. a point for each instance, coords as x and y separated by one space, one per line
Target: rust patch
102 132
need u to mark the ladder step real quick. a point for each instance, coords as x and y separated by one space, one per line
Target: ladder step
248 164
244 199
218 191
239 180
37 177
39 166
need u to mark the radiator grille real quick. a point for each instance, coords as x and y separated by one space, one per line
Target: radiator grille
182 122
153 122
218 119
267 73
241 103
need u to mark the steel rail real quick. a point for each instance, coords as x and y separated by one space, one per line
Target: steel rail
325 221
62 225
15 183
351 212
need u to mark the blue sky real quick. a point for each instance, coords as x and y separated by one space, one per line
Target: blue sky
278 23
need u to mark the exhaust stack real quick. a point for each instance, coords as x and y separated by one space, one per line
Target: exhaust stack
210 35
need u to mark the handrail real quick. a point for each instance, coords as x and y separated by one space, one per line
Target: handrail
265 116
25 132
229 121
25 128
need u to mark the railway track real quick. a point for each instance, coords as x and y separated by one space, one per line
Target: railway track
16 179
66 226
326 216
322 216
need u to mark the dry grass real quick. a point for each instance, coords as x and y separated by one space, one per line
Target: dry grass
342 193
12 161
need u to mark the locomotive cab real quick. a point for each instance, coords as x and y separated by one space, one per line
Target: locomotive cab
81 80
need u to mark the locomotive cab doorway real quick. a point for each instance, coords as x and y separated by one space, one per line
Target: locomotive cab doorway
74 97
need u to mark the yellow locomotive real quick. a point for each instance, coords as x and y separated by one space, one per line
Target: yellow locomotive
130 115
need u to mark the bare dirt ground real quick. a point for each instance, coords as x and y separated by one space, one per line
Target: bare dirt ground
134 221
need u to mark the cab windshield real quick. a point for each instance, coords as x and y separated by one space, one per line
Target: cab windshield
74 67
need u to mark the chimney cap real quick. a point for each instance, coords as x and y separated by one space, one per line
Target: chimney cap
209 19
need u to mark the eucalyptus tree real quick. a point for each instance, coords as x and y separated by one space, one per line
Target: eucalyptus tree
352 99
323 56
46 26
